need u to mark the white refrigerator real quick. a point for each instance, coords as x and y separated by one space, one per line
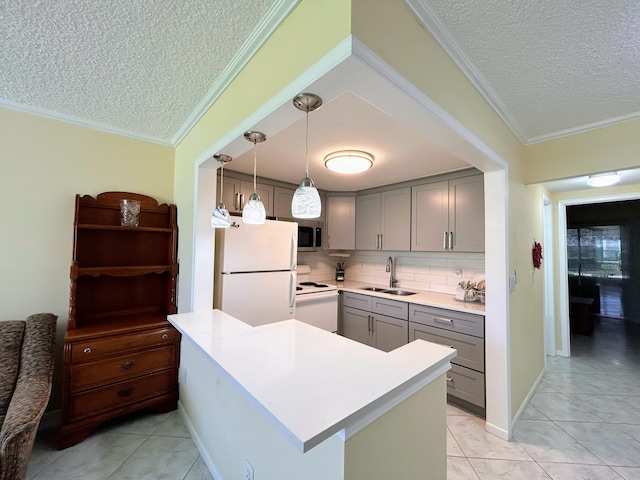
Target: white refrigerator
255 271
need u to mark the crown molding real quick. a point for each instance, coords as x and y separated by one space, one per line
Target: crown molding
80 122
609 122
269 23
433 22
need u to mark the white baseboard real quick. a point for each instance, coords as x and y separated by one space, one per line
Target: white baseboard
497 431
198 442
524 404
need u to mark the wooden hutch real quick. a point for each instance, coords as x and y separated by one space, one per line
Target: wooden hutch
120 352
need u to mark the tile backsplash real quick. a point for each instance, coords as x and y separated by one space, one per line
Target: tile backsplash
431 271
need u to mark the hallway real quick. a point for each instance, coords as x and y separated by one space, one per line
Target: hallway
583 422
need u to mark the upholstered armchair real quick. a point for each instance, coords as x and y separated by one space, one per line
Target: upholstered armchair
26 370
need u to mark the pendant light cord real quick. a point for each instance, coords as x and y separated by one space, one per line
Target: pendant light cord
255 154
306 145
221 181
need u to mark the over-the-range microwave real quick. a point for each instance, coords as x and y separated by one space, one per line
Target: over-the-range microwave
309 234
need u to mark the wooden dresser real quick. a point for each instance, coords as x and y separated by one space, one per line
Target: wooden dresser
120 352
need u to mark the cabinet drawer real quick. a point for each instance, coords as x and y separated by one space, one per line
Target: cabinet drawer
356 300
391 308
470 349
121 394
93 349
466 384
115 369
460 322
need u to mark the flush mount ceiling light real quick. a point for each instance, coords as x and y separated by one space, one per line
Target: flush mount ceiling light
220 217
603 179
254 212
348 161
306 200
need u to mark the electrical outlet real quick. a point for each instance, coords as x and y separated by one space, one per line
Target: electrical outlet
248 470
457 272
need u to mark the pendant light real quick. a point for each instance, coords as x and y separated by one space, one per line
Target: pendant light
306 200
254 212
220 217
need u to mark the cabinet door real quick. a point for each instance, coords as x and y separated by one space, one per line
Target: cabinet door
230 194
356 325
466 213
264 191
429 216
395 220
368 222
390 333
282 202
341 223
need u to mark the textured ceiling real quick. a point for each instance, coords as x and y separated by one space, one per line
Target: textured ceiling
142 67
150 69
549 67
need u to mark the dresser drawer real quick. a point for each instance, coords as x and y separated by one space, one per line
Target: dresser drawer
391 308
115 369
92 349
470 349
356 300
121 394
466 384
460 322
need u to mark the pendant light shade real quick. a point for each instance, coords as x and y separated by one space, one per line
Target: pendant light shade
306 200
220 217
254 212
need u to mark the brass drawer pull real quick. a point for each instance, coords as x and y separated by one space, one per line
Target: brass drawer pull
165 336
127 365
86 350
125 392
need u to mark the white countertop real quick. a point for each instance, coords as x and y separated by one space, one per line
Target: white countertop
422 297
312 383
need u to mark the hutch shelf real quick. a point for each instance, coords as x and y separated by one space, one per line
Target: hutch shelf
120 352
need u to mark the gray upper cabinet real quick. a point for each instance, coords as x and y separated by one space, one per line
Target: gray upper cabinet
341 223
448 215
383 220
282 202
236 194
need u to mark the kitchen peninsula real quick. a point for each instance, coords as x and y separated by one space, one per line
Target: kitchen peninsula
294 401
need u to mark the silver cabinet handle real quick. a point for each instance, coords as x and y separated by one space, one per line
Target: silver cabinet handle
450 240
445 241
381 241
449 380
236 201
86 350
241 201
443 320
165 336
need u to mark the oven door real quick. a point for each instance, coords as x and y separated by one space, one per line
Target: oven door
318 309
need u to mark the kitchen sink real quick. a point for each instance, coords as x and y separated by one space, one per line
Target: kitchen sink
374 289
401 293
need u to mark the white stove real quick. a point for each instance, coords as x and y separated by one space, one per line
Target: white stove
316 302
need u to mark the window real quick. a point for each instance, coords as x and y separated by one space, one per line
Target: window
594 251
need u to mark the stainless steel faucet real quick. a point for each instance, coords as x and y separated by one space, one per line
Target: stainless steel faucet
392 281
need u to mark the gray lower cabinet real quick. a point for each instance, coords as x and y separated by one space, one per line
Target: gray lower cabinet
465 333
375 321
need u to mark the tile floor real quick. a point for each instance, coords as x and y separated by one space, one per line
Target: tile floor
582 423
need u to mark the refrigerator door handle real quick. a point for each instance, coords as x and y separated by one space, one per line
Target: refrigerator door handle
293 251
292 289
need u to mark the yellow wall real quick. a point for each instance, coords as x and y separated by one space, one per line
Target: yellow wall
390 29
44 163
612 148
